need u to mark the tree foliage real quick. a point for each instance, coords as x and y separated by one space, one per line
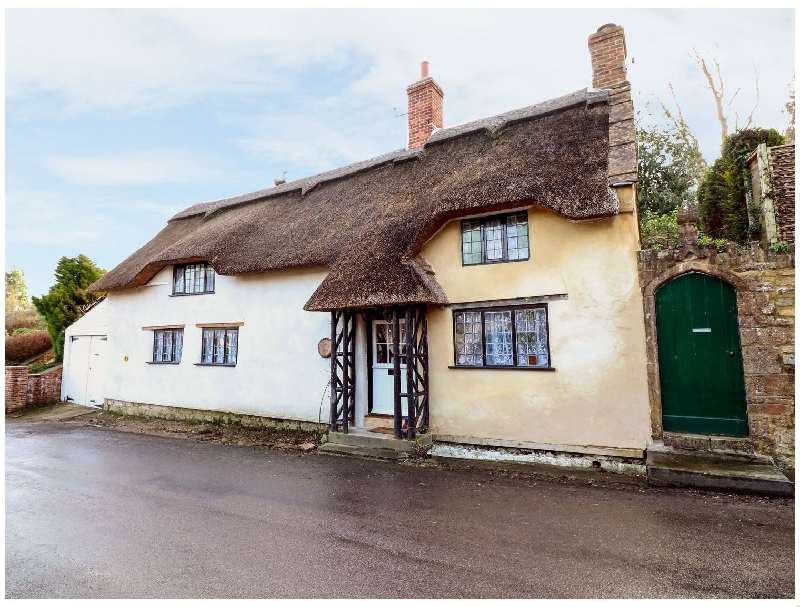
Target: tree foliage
67 300
722 195
16 291
669 165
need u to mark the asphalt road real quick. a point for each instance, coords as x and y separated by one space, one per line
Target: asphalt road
97 513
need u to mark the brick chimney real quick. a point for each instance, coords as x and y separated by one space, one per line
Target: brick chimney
424 108
607 48
608 52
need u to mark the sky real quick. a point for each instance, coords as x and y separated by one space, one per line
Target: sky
118 119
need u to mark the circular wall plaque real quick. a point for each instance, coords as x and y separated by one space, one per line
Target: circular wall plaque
324 347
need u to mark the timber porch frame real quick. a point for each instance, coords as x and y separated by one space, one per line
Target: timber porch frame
343 367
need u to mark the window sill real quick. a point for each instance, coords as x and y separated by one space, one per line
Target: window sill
158 362
214 365
191 294
504 367
491 263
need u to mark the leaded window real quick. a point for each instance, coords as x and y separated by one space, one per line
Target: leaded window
192 279
469 339
496 337
495 239
167 345
220 346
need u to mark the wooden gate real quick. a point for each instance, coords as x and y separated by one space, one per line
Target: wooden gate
700 357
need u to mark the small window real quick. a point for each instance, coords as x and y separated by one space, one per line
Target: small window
192 279
219 346
494 337
495 239
167 345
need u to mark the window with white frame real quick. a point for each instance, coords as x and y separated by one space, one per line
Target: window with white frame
498 337
220 346
193 279
167 345
495 239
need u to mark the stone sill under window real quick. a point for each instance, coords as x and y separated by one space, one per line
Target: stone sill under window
159 362
214 364
190 294
504 367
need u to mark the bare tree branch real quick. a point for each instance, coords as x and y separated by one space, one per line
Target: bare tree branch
758 99
717 92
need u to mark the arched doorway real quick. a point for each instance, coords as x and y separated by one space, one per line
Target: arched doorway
700 357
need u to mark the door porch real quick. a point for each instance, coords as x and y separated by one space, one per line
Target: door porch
397 367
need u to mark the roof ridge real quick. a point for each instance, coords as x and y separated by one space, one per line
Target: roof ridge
490 124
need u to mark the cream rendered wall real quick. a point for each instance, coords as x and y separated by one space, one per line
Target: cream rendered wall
278 373
597 396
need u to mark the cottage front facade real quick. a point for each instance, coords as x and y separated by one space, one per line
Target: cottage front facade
480 285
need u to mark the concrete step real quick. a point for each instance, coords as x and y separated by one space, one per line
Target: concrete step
357 451
363 443
702 442
359 437
747 473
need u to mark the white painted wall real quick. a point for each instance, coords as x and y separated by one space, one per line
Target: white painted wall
94 322
88 328
279 372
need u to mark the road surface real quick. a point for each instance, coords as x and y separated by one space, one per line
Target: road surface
98 513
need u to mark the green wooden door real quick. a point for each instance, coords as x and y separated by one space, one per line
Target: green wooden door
700 357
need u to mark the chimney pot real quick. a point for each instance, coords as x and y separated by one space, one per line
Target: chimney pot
424 69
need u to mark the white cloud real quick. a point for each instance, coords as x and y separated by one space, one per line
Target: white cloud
50 218
140 168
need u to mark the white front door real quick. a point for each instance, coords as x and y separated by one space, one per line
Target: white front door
383 367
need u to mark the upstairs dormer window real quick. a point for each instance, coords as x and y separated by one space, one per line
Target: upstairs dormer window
495 239
193 279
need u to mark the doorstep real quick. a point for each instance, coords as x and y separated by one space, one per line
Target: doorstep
669 466
361 442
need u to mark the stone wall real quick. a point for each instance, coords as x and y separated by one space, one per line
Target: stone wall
36 389
764 283
781 165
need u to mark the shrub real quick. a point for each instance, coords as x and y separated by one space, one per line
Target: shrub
660 231
20 348
39 367
28 320
779 247
720 244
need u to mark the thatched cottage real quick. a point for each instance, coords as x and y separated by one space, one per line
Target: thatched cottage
480 285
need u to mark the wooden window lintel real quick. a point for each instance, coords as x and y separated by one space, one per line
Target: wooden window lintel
218 325
160 327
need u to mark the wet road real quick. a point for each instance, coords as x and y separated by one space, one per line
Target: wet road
96 513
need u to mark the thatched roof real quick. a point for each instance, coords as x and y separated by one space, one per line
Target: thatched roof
368 221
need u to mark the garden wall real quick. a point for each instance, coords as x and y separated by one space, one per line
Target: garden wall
36 389
764 282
